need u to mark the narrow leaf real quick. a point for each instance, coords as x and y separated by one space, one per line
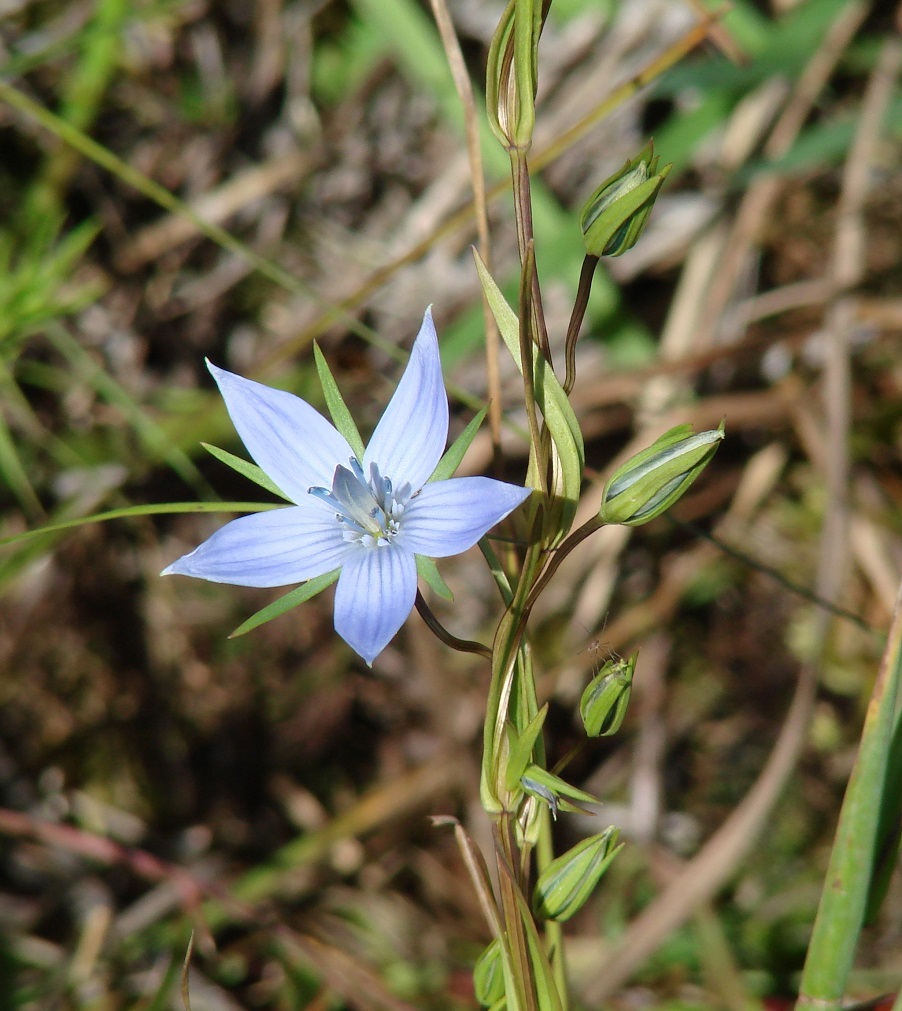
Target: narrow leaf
521 748
146 509
559 417
498 573
841 911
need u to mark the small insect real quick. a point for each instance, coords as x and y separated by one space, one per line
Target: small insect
598 649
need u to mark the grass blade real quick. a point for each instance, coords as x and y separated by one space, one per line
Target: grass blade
842 907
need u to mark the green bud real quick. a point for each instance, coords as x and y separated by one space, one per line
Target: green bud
567 882
607 695
652 481
512 74
615 215
488 975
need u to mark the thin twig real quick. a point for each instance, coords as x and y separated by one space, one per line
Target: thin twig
464 88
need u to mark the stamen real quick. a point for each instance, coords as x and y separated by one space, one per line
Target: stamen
369 511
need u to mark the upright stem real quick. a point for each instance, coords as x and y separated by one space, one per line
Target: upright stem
523 210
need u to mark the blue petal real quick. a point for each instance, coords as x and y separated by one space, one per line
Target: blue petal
269 549
375 594
448 517
410 437
293 443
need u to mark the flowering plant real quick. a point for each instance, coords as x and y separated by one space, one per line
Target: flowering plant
362 515
373 518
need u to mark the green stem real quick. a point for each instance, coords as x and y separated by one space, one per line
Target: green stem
583 291
436 627
522 189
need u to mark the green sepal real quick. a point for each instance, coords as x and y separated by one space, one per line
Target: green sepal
453 455
521 747
291 599
338 409
567 882
428 571
246 469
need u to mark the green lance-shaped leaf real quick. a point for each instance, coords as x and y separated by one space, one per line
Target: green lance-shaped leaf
606 698
567 882
488 975
615 215
652 481
559 416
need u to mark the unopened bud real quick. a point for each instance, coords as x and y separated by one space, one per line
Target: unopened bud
652 481
512 74
615 215
566 883
606 698
488 975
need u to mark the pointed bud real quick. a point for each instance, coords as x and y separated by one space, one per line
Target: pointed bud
512 74
488 975
566 883
651 481
606 698
554 791
615 215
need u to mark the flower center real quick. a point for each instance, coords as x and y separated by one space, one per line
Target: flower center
369 510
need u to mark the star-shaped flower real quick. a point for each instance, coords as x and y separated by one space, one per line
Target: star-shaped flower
370 517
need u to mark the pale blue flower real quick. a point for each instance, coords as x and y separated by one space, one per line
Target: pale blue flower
368 517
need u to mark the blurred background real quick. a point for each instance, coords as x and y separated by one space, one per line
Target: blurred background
271 792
